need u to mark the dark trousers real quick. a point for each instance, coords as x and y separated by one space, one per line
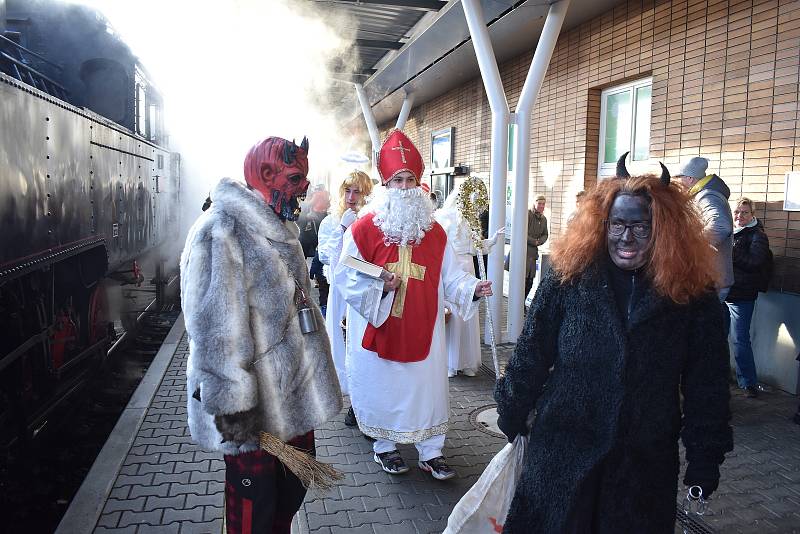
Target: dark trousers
324 289
261 495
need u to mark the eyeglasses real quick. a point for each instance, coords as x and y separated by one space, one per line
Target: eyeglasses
640 230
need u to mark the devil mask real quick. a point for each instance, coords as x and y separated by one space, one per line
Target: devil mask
277 168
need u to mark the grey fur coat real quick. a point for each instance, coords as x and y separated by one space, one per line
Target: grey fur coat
246 350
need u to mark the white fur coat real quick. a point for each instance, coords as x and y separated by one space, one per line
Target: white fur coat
238 304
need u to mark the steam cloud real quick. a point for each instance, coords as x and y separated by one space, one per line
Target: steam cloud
233 72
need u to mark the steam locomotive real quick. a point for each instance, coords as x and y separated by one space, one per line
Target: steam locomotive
88 186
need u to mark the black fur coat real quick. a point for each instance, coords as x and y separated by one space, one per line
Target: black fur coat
610 406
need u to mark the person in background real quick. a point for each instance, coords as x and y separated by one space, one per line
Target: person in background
463 337
537 236
353 194
710 194
750 253
252 366
397 360
623 351
309 238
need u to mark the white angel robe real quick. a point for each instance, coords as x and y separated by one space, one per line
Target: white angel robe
463 337
329 248
394 401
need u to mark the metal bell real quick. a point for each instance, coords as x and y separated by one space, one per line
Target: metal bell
308 320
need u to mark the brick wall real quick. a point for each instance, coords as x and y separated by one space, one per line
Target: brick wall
725 86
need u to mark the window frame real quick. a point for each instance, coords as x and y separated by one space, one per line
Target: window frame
609 169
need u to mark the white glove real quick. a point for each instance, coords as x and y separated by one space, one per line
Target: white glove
487 244
348 218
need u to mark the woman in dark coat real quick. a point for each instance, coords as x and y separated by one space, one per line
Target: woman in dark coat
750 254
625 323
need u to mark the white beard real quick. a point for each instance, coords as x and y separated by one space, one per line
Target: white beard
403 215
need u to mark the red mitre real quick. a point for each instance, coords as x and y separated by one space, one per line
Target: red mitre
399 154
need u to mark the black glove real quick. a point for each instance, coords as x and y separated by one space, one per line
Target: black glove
511 429
703 474
239 427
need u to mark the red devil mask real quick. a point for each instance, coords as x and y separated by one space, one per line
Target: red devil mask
399 154
277 168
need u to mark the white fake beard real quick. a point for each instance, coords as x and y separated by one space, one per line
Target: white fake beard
403 215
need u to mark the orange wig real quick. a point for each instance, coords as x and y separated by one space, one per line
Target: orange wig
680 263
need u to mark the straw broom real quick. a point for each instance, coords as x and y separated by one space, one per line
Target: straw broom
311 472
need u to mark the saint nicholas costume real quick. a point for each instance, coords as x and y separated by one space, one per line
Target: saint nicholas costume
396 354
463 337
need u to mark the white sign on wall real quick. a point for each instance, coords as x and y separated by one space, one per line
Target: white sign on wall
791 197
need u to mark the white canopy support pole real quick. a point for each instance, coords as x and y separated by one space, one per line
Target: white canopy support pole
372 126
519 226
499 154
405 111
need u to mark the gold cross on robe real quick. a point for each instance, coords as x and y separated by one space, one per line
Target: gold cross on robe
405 269
402 150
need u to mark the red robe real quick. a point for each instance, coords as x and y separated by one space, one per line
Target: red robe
406 335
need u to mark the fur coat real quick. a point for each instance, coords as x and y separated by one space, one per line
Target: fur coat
607 400
246 350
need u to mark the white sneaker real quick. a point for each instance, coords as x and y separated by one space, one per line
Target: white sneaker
469 371
451 373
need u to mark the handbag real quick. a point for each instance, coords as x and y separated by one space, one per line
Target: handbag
483 509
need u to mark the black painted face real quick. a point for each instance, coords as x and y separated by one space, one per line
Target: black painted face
630 249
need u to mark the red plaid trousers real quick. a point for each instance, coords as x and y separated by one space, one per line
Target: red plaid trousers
261 495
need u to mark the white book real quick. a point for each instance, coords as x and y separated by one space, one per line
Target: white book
369 269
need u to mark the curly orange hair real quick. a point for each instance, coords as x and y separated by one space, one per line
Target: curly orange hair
681 262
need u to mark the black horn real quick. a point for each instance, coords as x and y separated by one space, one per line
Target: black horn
304 144
664 174
622 171
286 153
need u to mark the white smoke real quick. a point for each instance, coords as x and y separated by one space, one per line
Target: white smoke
233 72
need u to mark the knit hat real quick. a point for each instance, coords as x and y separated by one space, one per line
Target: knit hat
696 168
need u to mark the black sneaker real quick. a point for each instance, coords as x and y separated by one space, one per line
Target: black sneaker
350 418
751 392
391 462
438 468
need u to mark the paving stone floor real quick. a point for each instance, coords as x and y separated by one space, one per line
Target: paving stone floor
167 484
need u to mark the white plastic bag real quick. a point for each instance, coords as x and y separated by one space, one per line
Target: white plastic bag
484 507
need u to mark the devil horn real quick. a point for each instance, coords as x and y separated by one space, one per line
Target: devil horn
664 174
304 144
286 153
622 171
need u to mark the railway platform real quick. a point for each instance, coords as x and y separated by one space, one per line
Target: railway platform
150 478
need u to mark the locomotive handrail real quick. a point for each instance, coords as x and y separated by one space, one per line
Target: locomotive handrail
28 51
12 356
34 71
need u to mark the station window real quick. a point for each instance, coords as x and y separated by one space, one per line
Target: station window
625 124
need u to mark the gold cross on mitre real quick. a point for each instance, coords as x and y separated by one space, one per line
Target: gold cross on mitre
402 150
405 269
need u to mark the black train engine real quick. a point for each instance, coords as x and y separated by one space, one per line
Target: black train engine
87 188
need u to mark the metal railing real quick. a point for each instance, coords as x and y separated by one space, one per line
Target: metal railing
15 61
